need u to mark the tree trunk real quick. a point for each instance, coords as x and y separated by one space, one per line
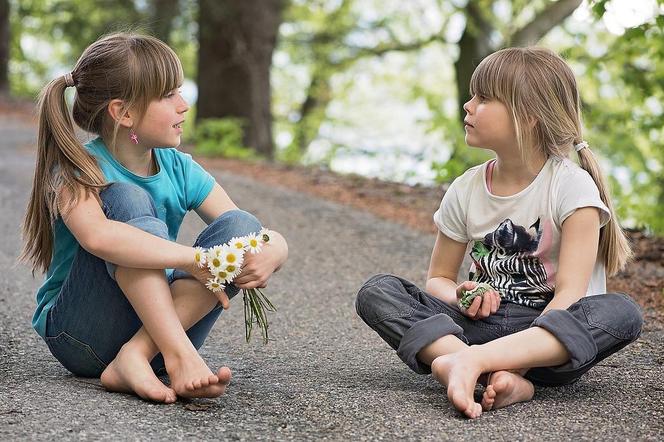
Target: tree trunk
475 44
163 12
4 47
312 111
237 38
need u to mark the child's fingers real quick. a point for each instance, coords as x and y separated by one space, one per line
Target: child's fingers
223 299
474 308
487 305
495 301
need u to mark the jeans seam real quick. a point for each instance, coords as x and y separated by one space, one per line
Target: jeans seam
86 347
398 314
374 283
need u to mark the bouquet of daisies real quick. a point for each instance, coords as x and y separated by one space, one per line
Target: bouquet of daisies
225 263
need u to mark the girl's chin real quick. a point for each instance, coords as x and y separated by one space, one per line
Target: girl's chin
470 142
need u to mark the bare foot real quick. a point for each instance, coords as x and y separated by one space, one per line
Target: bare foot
130 372
191 377
459 373
506 388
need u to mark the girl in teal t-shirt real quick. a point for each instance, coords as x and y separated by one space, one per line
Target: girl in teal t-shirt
121 299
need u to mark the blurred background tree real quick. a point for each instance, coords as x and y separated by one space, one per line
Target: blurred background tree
372 86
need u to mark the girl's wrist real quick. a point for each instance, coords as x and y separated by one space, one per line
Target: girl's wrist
186 259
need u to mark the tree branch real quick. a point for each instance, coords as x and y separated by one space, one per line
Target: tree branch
382 49
546 20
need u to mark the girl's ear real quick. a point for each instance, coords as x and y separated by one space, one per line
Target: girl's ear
118 113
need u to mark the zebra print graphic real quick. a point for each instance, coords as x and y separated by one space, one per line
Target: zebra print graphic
503 259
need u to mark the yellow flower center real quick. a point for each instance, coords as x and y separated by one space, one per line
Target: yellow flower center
239 245
230 269
253 243
222 274
216 262
230 257
198 257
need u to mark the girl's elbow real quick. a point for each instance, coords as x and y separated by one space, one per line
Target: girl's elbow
95 243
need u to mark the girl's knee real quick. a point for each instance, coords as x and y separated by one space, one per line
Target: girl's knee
235 223
375 298
126 201
616 313
632 316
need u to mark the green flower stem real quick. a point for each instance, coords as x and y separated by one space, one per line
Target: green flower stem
255 306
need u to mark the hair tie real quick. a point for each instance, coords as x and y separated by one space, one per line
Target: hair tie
581 145
69 80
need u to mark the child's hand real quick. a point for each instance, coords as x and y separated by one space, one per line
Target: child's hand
482 306
256 269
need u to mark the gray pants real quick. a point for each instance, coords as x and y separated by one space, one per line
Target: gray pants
409 319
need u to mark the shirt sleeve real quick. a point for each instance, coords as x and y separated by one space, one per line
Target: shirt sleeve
199 183
450 218
576 191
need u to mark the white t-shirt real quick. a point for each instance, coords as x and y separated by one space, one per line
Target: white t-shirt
514 241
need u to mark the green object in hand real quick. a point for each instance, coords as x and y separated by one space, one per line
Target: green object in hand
469 295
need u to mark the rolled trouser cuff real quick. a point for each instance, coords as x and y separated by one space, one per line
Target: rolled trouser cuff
572 334
148 224
423 333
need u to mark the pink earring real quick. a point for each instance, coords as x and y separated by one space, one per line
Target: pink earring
133 137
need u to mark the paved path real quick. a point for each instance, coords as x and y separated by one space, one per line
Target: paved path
325 375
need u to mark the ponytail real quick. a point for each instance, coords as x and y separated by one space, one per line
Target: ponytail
62 164
614 248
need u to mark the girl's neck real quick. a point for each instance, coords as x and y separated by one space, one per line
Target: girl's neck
134 157
511 174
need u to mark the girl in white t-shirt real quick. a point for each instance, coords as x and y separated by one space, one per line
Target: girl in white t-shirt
536 227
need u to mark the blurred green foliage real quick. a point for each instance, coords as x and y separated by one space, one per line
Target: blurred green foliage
222 137
621 78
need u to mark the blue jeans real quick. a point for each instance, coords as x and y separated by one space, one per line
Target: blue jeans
92 319
409 319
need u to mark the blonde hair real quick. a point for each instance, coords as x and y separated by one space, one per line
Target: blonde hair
540 91
130 67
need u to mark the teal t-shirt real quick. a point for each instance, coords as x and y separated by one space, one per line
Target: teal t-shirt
180 185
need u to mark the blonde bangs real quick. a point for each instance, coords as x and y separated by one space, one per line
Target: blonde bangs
495 77
155 70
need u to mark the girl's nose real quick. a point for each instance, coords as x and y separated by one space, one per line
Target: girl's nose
466 106
184 107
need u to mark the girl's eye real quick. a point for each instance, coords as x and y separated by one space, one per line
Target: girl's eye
171 94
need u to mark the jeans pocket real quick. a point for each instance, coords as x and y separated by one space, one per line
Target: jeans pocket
76 356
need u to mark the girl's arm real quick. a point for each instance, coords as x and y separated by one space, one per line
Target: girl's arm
121 243
578 253
444 266
256 269
216 203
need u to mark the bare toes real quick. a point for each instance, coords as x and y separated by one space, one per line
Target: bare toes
224 375
473 411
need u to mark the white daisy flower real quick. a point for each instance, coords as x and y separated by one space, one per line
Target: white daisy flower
215 250
231 256
222 275
199 256
232 271
214 285
254 243
214 262
238 243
